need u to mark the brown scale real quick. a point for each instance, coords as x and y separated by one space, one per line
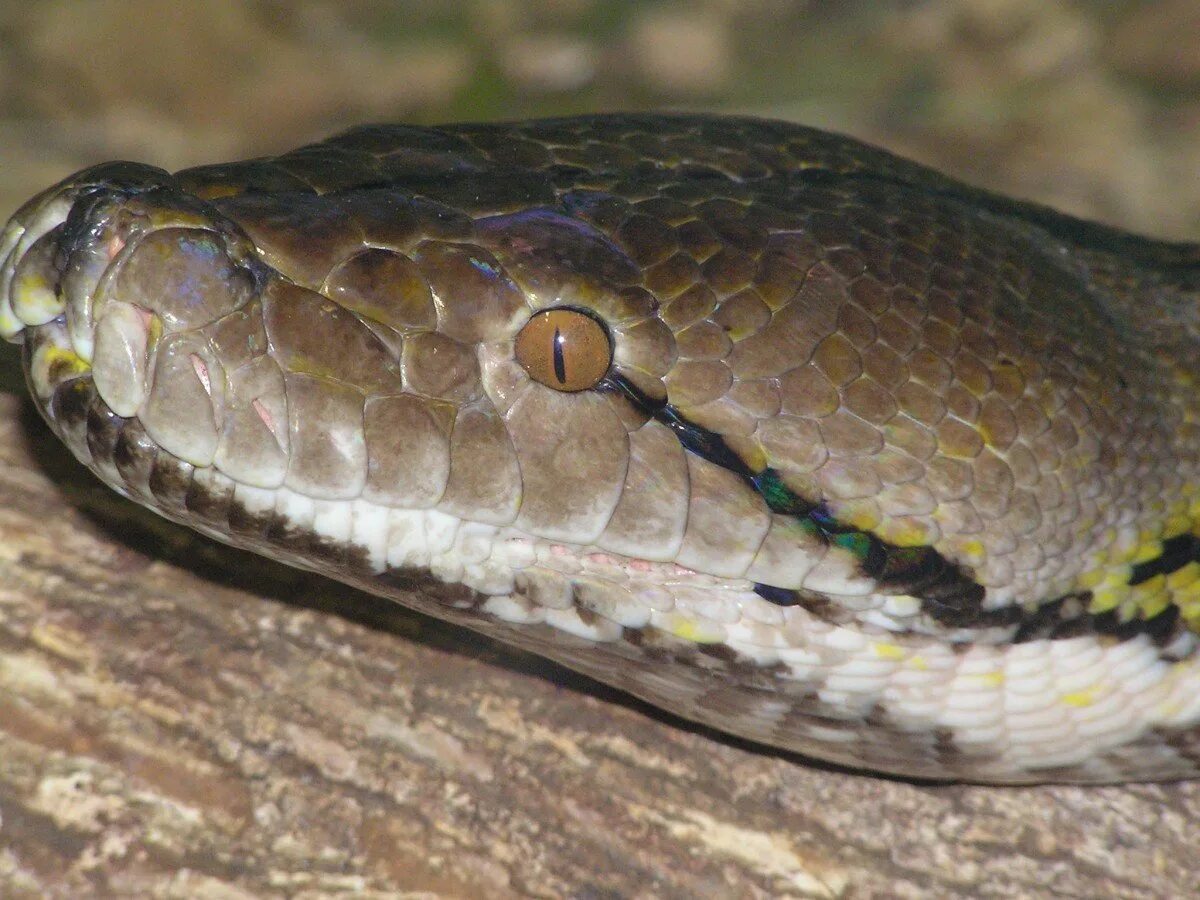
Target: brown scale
954 395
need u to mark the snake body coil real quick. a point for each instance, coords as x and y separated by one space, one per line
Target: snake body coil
768 427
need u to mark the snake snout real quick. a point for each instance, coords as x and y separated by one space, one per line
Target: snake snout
44 262
118 275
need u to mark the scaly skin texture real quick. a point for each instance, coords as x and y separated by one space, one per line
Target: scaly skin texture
886 470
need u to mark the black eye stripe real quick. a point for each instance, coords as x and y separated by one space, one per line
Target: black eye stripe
948 592
1176 553
951 595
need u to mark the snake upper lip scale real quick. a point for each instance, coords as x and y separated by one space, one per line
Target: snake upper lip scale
766 426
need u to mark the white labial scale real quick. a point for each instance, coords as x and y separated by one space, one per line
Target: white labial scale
878 619
213 481
333 519
806 664
613 602
46 342
295 509
514 610
548 589
839 573
849 640
501 555
514 549
653 596
689 627
760 656
50 215
453 549
369 531
446 567
489 578
10 236
760 623
440 530
901 606
720 606
597 629
81 282
255 500
407 542
756 634
474 541
755 609
484 570
559 558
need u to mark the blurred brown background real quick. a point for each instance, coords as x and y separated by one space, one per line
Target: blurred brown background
1092 105
168 730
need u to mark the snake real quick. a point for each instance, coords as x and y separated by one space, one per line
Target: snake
772 429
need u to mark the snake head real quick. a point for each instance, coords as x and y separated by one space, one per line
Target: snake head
762 425
273 357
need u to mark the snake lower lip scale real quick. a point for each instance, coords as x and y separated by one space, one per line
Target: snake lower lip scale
766 426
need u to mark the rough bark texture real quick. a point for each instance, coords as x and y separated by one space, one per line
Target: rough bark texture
179 720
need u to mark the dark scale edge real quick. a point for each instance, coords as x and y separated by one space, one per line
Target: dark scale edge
209 502
777 595
103 431
170 481
67 410
134 456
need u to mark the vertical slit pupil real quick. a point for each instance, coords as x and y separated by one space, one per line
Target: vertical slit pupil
560 364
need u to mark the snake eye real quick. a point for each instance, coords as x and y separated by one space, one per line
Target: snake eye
564 349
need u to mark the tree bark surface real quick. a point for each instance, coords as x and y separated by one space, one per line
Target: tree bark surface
181 720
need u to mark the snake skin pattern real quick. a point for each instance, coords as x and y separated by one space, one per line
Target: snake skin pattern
886 470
